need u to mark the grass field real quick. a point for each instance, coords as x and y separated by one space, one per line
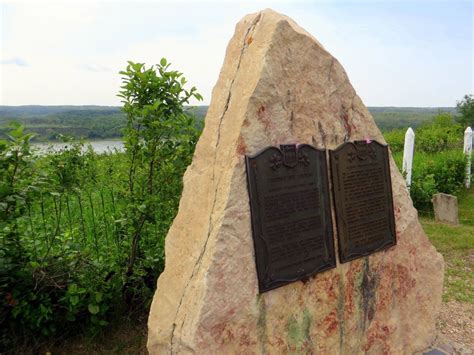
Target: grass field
456 243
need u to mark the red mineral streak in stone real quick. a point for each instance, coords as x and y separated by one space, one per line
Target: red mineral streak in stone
354 127
220 286
241 147
306 348
279 342
378 334
263 117
397 214
329 284
331 290
244 337
349 289
221 334
301 299
330 323
384 300
385 293
405 282
347 126
231 312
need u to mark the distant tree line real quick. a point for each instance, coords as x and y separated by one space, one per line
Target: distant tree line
108 122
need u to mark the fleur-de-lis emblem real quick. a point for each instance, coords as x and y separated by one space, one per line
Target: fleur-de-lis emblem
372 152
275 161
303 158
351 155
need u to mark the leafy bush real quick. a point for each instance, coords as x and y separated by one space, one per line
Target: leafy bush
440 135
433 138
395 139
53 273
82 234
438 163
466 109
159 139
433 173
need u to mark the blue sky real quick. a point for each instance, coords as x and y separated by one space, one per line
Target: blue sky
396 53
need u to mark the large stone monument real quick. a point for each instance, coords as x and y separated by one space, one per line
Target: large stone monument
278 85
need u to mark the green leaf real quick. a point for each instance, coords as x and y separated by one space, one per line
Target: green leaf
98 297
93 308
74 300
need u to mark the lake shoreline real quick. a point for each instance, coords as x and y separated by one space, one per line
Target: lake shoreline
99 146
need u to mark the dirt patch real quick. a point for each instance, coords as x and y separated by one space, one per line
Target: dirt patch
455 327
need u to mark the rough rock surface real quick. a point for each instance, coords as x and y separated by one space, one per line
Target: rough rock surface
279 85
445 208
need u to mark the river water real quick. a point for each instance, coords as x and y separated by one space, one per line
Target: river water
99 147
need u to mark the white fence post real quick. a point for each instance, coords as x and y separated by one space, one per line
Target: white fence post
468 153
408 149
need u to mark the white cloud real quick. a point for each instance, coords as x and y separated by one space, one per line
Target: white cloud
68 66
71 52
14 61
96 68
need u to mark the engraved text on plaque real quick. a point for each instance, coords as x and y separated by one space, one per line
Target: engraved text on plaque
291 215
363 198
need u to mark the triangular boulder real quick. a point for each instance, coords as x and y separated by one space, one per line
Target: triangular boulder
279 85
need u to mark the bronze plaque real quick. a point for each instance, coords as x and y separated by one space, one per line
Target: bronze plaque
363 202
291 214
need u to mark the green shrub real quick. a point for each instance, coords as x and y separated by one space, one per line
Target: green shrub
433 173
395 139
440 135
438 163
421 191
81 234
433 138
